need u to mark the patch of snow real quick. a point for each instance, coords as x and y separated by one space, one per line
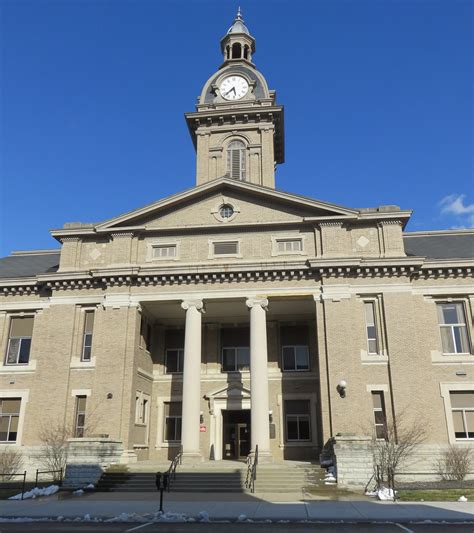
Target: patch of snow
174 517
203 516
34 493
78 492
126 517
385 494
371 493
242 518
90 486
462 499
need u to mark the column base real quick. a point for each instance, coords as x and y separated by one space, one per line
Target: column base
264 456
189 458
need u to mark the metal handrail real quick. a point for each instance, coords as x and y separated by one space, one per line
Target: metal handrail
55 479
173 466
252 463
9 476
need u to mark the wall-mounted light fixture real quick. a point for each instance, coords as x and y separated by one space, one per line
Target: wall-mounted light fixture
109 396
341 388
270 416
201 417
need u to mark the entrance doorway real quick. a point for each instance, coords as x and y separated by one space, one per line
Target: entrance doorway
236 434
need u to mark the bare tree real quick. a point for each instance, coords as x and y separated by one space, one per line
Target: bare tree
10 463
55 436
455 463
55 451
393 451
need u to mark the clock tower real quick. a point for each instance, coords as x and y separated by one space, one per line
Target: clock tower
237 128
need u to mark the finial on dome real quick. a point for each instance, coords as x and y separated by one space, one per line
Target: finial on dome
238 25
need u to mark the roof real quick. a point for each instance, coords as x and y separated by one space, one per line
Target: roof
238 26
28 264
440 244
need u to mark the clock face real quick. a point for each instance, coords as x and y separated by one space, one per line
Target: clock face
234 88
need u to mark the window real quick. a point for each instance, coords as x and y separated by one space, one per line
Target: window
19 341
235 344
295 358
163 251
226 211
236 358
297 420
145 411
145 334
295 352
174 360
173 421
87 340
236 160
462 405
226 248
453 328
380 419
9 416
289 245
80 418
141 409
174 351
371 328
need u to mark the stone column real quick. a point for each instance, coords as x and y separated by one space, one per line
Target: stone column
191 381
260 428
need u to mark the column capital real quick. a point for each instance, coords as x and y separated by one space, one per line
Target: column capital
252 302
198 304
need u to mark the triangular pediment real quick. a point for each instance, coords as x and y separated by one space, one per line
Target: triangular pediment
234 391
199 207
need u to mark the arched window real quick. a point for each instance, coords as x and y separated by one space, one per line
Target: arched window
236 160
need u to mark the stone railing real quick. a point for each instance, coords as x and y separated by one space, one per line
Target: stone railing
354 460
88 458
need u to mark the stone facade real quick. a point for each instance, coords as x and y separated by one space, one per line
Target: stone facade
234 268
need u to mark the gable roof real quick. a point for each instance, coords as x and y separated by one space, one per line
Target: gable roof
220 184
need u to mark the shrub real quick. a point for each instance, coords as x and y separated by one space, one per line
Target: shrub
455 463
10 463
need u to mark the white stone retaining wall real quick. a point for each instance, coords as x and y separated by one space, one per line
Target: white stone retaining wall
354 461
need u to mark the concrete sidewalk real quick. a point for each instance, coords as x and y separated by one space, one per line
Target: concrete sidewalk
253 508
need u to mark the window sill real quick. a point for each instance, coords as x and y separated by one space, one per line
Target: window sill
297 444
225 256
10 369
77 364
285 254
373 359
168 445
451 359
140 425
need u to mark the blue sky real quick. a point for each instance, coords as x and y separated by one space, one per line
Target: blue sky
378 100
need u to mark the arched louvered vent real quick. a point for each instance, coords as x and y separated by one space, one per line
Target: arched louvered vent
236 160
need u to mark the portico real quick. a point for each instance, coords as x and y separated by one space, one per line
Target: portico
231 363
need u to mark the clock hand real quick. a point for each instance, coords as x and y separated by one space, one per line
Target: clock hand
229 91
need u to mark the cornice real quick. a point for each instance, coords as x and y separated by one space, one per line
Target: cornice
312 269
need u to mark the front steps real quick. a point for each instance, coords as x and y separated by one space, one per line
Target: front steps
285 477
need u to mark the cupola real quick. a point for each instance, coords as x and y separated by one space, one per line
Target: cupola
238 44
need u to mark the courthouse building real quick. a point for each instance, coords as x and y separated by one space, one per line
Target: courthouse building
234 314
